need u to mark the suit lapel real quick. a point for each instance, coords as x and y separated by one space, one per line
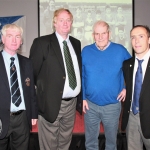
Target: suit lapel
22 70
55 44
3 74
76 51
131 68
146 77
57 49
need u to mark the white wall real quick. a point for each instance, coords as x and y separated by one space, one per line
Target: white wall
29 8
142 12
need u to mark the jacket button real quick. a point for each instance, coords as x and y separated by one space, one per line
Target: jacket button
60 92
128 111
64 77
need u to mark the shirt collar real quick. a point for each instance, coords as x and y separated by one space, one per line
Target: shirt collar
60 39
145 57
8 56
104 47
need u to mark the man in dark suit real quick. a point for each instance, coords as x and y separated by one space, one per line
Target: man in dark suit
136 110
57 97
18 107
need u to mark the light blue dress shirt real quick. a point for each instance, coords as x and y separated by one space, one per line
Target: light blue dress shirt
7 62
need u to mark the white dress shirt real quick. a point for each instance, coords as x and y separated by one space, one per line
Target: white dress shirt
68 92
144 66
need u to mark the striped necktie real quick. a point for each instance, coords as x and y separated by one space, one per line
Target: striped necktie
69 65
15 91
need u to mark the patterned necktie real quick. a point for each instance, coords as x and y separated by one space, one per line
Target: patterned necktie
137 88
15 91
69 65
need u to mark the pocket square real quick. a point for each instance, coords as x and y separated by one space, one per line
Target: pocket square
27 81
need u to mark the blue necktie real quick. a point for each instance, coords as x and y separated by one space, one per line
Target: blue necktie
137 88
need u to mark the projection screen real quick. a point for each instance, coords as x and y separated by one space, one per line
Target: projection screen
117 13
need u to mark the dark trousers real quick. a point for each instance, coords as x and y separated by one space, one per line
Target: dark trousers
18 134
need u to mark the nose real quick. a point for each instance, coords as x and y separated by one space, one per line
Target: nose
14 39
100 36
136 40
65 22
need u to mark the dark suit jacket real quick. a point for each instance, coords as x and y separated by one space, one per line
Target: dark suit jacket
26 71
49 74
144 101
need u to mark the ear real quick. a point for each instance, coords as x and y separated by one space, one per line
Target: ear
93 35
21 41
149 40
54 25
109 35
3 41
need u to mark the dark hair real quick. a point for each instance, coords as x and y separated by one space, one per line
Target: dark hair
107 6
79 8
89 11
51 0
98 12
142 26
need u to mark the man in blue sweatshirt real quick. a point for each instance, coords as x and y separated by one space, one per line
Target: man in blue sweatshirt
103 86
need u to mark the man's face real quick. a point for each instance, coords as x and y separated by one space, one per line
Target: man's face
78 11
101 36
89 15
63 23
121 33
119 10
140 41
52 5
12 40
108 10
79 35
98 17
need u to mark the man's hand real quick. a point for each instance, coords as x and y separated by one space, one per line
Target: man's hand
34 121
85 106
122 95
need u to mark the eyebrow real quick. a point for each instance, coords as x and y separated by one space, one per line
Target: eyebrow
137 35
16 34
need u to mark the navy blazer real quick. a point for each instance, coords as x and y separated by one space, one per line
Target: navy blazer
144 100
26 71
49 74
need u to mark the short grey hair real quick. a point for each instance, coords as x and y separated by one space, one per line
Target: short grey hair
12 26
101 22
